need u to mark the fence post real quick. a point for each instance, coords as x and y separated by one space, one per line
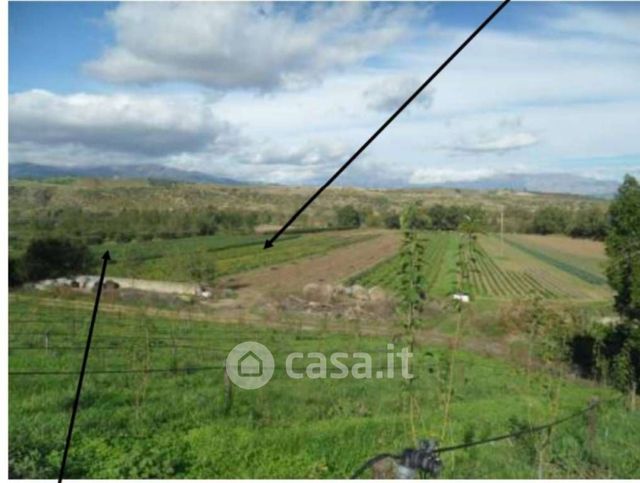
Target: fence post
228 393
634 389
592 421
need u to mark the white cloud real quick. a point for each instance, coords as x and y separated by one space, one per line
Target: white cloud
426 176
388 95
497 144
139 125
549 98
245 45
624 25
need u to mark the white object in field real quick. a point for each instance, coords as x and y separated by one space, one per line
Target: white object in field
462 297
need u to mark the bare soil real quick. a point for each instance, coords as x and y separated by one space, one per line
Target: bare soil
333 267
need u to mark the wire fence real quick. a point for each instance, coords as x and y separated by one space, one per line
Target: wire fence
493 439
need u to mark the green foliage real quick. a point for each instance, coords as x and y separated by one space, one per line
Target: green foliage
392 221
201 270
590 222
623 248
412 277
174 259
55 257
413 217
348 217
288 429
439 267
550 219
609 353
16 277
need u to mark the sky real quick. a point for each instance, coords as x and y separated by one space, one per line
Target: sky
286 92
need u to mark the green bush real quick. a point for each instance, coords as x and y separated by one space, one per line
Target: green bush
348 217
392 221
16 276
550 219
54 257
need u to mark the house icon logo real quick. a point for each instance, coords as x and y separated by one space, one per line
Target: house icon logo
249 365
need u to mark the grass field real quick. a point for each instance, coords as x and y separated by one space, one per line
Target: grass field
160 414
524 266
171 259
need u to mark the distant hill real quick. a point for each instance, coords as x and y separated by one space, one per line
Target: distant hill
554 183
129 171
539 183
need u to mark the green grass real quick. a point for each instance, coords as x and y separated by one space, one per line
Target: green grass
170 259
561 264
172 425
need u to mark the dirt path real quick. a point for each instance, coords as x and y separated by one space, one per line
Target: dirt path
333 267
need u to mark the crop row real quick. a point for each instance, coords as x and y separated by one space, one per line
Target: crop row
584 275
387 273
484 277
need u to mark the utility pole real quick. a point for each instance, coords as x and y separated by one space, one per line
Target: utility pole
502 231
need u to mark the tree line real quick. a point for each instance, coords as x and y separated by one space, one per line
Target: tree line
587 221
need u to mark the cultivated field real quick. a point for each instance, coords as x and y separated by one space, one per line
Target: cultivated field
485 267
173 259
155 404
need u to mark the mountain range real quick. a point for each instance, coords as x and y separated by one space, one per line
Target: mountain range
128 171
533 182
540 183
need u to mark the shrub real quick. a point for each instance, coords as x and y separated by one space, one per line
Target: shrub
348 217
15 273
54 257
392 221
550 219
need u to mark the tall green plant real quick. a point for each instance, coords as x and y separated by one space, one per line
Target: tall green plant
412 296
413 282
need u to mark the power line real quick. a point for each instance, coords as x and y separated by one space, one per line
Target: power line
515 434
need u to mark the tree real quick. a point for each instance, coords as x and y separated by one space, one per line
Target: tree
623 248
54 257
348 217
589 222
550 219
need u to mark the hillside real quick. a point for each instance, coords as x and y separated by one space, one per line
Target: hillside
96 195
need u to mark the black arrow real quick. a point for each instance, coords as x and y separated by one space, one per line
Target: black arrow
105 259
269 243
